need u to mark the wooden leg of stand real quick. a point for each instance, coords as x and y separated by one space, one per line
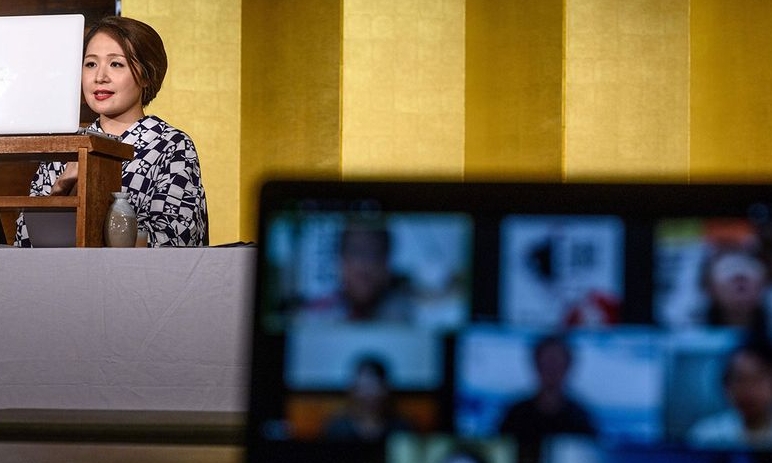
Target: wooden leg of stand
97 173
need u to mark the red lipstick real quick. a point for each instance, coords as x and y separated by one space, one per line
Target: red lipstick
101 95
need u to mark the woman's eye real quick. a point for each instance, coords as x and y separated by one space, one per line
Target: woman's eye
89 64
116 64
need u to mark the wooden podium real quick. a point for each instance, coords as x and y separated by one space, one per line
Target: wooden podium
99 173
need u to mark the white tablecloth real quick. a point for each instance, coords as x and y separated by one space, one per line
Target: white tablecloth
135 329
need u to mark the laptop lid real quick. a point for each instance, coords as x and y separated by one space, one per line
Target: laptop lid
51 229
40 73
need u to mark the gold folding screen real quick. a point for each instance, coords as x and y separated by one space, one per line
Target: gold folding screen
567 90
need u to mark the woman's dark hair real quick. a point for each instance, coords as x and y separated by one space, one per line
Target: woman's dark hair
379 233
754 346
374 365
143 48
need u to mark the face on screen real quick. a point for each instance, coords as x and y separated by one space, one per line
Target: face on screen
331 268
710 272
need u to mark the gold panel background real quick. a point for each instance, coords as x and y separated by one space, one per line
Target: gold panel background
514 74
731 90
403 88
290 97
627 90
202 93
567 90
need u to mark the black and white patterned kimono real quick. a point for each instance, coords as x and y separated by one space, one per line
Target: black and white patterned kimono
163 181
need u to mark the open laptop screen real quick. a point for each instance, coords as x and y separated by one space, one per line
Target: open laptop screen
406 321
40 68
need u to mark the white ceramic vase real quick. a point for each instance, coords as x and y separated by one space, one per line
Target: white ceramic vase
120 223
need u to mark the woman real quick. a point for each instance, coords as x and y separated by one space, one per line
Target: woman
747 383
124 65
736 279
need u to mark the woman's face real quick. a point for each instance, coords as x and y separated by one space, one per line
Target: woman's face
749 386
365 272
737 283
108 84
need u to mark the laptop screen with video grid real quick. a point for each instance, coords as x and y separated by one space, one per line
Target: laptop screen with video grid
411 321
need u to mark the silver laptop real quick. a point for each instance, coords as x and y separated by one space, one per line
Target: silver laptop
50 229
40 68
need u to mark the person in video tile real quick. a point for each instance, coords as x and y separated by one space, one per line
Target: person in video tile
747 382
736 281
550 411
368 289
369 415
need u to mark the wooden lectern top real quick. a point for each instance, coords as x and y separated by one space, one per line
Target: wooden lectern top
35 147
